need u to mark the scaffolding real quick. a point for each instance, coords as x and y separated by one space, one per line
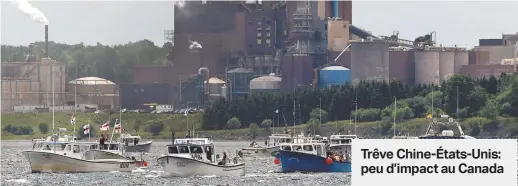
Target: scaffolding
169 36
302 27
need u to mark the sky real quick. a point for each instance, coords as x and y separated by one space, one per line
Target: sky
459 23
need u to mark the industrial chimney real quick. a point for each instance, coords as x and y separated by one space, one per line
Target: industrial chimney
47 41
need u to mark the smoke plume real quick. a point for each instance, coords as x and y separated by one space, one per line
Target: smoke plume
194 44
28 9
179 3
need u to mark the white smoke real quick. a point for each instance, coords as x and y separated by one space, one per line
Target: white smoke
28 9
179 3
194 44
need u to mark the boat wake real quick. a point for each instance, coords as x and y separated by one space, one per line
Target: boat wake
18 180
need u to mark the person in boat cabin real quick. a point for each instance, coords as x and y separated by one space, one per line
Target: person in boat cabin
266 142
101 142
135 142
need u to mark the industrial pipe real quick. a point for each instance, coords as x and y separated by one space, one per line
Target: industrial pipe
335 8
47 41
341 53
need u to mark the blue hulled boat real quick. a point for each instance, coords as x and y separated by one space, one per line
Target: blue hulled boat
309 157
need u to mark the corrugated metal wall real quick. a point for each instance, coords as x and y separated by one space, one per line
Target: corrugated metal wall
133 96
497 53
478 57
402 66
479 71
296 71
490 42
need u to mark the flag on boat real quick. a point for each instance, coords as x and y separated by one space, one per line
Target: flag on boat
86 129
277 111
117 128
429 116
73 120
106 126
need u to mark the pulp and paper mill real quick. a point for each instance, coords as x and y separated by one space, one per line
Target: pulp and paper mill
258 46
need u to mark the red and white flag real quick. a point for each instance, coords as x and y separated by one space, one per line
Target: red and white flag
117 128
86 129
105 126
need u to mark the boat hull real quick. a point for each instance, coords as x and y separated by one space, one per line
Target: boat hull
258 151
141 147
51 162
184 167
302 162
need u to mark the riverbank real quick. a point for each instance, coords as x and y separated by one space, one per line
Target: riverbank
139 124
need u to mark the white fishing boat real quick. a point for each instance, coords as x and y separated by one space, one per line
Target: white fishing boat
341 142
196 157
72 157
134 143
256 150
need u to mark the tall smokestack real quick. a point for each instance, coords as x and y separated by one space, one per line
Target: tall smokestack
47 41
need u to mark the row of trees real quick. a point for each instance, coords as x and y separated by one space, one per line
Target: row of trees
487 97
114 63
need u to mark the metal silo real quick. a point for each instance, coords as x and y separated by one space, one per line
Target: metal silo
239 80
369 61
214 87
461 58
333 75
446 65
270 83
426 67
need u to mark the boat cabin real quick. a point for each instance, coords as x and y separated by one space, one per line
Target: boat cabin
48 145
318 149
130 140
195 148
342 139
275 139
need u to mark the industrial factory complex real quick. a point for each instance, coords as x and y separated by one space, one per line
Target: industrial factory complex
255 47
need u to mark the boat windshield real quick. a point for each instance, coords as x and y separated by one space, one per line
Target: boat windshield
180 149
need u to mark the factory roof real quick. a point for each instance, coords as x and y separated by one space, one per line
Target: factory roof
335 68
215 80
270 77
91 81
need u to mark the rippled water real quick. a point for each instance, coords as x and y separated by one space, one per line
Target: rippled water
259 171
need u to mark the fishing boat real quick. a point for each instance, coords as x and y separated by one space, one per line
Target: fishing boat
196 157
445 134
134 143
256 150
72 157
308 157
341 142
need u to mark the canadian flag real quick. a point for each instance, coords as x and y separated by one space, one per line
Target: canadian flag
105 126
118 128
86 129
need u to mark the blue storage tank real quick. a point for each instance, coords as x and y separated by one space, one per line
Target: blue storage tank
333 75
239 80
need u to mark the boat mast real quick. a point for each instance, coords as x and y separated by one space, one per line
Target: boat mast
113 130
294 121
53 105
320 114
395 112
75 101
457 111
355 112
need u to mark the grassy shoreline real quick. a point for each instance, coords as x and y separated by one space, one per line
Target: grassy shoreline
502 126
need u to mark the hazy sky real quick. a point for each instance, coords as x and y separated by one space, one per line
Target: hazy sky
118 22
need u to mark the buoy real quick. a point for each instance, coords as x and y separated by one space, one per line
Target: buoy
329 161
276 161
145 164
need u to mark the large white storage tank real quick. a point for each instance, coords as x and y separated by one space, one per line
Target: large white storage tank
446 65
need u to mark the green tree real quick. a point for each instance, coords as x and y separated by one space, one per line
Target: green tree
254 130
136 126
318 114
314 126
155 128
490 110
267 124
44 128
233 123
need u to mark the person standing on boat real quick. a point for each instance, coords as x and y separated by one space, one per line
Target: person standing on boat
101 141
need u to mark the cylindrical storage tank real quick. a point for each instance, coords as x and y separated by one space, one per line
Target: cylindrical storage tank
461 58
446 65
240 81
426 67
369 61
269 83
214 86
333 75
224 91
